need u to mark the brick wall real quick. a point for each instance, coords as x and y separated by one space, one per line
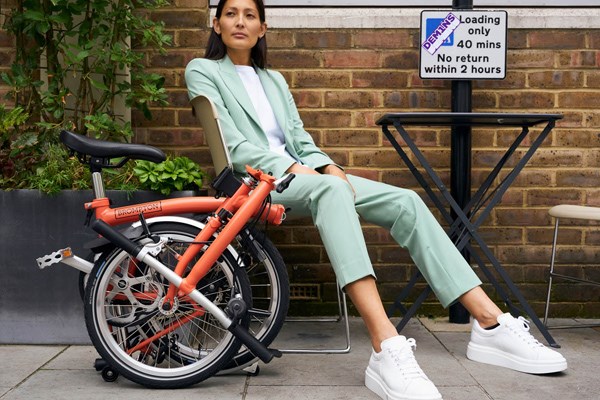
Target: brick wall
344 79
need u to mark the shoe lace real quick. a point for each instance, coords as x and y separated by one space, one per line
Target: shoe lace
520 327
405 361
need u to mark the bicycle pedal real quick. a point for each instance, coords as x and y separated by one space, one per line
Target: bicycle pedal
54 258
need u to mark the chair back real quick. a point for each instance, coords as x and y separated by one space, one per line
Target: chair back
208 116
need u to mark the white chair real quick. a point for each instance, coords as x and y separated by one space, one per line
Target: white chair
206 113
569 212
208 116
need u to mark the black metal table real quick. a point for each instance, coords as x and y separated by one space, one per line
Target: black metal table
463 227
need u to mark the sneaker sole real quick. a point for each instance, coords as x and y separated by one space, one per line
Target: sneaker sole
377 386
488 355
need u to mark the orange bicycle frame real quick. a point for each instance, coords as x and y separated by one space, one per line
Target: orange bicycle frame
242 206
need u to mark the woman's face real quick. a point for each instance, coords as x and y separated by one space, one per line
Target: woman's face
240 27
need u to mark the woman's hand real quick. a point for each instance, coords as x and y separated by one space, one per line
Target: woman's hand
329 169
300 169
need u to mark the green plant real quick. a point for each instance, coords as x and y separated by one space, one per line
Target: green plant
19 148
10 141
177 173
75 68
64 170
59 171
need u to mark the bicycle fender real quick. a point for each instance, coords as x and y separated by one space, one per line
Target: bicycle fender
135 230
181 220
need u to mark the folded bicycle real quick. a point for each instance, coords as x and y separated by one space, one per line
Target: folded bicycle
168 302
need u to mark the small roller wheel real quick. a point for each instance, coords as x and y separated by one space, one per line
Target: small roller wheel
100 364
109 374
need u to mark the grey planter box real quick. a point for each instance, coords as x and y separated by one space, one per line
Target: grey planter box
43 306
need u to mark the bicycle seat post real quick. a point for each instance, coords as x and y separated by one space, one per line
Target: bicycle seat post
98 185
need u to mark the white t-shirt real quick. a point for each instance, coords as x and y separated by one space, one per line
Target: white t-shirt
263 109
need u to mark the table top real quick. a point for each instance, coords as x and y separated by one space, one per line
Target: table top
466 119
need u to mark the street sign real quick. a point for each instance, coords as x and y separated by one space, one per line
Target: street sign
463 44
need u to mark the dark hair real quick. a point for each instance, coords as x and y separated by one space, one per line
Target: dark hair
216 49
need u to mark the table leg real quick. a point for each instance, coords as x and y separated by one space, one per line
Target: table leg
471 229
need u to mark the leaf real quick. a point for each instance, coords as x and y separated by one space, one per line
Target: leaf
62 18
8 79
34 15
43 27
146 112
139 171
26 139
81 56
99 85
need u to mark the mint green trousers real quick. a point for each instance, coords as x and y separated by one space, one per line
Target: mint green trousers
337 214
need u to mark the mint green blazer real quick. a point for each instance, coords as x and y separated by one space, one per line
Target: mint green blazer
246 140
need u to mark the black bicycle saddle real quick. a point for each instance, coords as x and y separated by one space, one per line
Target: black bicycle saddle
104 149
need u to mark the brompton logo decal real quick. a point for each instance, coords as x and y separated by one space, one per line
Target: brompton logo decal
146 208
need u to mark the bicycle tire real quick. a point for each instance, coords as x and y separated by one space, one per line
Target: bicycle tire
270 291
116 320
83 277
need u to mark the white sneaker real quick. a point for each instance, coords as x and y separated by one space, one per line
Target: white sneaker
511 345
393 373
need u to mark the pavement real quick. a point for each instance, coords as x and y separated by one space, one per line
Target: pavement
66 372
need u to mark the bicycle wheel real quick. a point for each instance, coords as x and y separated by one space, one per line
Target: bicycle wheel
270 287
270 290
151 346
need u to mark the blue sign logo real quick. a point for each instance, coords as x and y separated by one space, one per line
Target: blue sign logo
431 24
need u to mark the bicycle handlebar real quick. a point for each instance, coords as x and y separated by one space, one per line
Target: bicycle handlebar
256 347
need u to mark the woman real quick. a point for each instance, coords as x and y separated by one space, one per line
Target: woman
263 129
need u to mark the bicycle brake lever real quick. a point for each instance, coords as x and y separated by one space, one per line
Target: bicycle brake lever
284 183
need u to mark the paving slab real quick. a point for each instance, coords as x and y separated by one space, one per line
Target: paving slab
87 384
310 393
66 372
19 362
443 324
317 370
581 348
74 357
464 393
